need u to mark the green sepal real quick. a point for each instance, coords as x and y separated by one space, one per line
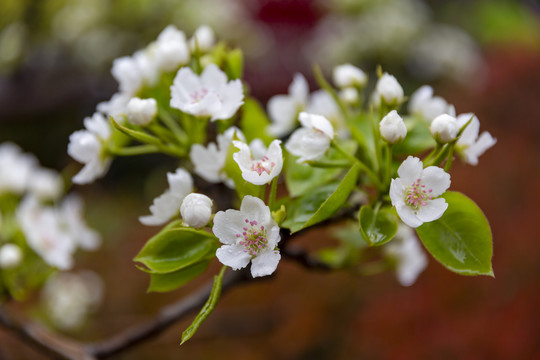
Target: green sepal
377 226
320 204
234 64
254 121
176 248
136 134
174 280
461 239
207 308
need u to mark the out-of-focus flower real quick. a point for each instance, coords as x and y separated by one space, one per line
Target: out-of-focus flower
259 171
208 95
444 128
392 128
469 145
408 255
414 192
141 112
348 75
283 109
117 105
71 216
312 140
15 168
45 184
196 210
427 106
170 51
249 235
168 204
349 95
10 256
87 147
389 90
321 103
203 39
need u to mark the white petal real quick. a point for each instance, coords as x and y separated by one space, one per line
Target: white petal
233 256
317 122
282 111
397 192
212 77
232 98
180 182
255 209
265 263
163 209
469 135
299 90
436 179
433 210
410 170
407 215
227 224
206 162
307 144
419 97
484 142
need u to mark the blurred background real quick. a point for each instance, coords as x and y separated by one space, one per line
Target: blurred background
481 56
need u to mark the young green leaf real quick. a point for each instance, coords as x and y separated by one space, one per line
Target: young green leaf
207 308
377 226
461 239
234 64
174 280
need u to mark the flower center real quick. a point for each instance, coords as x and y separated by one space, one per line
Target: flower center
198 96
253 238
263 165
417 195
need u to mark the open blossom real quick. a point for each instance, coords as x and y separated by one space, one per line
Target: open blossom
283 109
389 90
196 210
16 168
168 204
45 184
414 193
87 147
71 214
259 171
444 128
207 95
312 140
133 72
392 128
348 75
469 145
248 235
408 255
170 50
427 106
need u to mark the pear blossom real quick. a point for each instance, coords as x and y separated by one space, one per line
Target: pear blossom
209 162
392 127
168 204
389 90
348 75
45 184
10 256
116 105
208 94
321 103
16 168
259 171
141 112
312 140
88 147
203 39
70 213
196 210
283 109
248 235
349 95
170 50
444 128
469 145
427 106
133 72
414 193
408 255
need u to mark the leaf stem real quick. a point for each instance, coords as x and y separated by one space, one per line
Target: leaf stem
361 165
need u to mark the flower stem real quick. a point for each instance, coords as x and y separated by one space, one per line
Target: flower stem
328 164
133 150
173 126
321 81
437 148
361 165
388 173
273 192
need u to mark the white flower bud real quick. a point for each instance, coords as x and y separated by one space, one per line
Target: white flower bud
203 39
349 95
444 128
141 112
10 256
392 127
196 210
348 75
389 89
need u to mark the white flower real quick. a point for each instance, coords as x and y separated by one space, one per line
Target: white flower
207 95
283 109
406 251
392 128
444 128
348 75
196 210
249 235
427 106
414 192
259 171
312 140
45 233
168 204
349 95
71 217
203 39
133 72
321 103
469 145
10 256
209 162
87 146
116 105
171 49
15 168
389 90
45 184
141 112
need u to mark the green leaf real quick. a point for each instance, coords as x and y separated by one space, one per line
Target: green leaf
322 203
461 239
254 121
136 134
174 280
174 249
234 64
377 226
207 308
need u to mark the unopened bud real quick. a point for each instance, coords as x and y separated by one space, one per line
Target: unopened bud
196 210
389 90
392 128
203 39
10 256
444 128
141 112
347 75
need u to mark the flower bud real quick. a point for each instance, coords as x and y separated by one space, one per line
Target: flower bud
141 112
196 210
389 89
348 75
349 95
203 39
10 256
392 128
444 128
